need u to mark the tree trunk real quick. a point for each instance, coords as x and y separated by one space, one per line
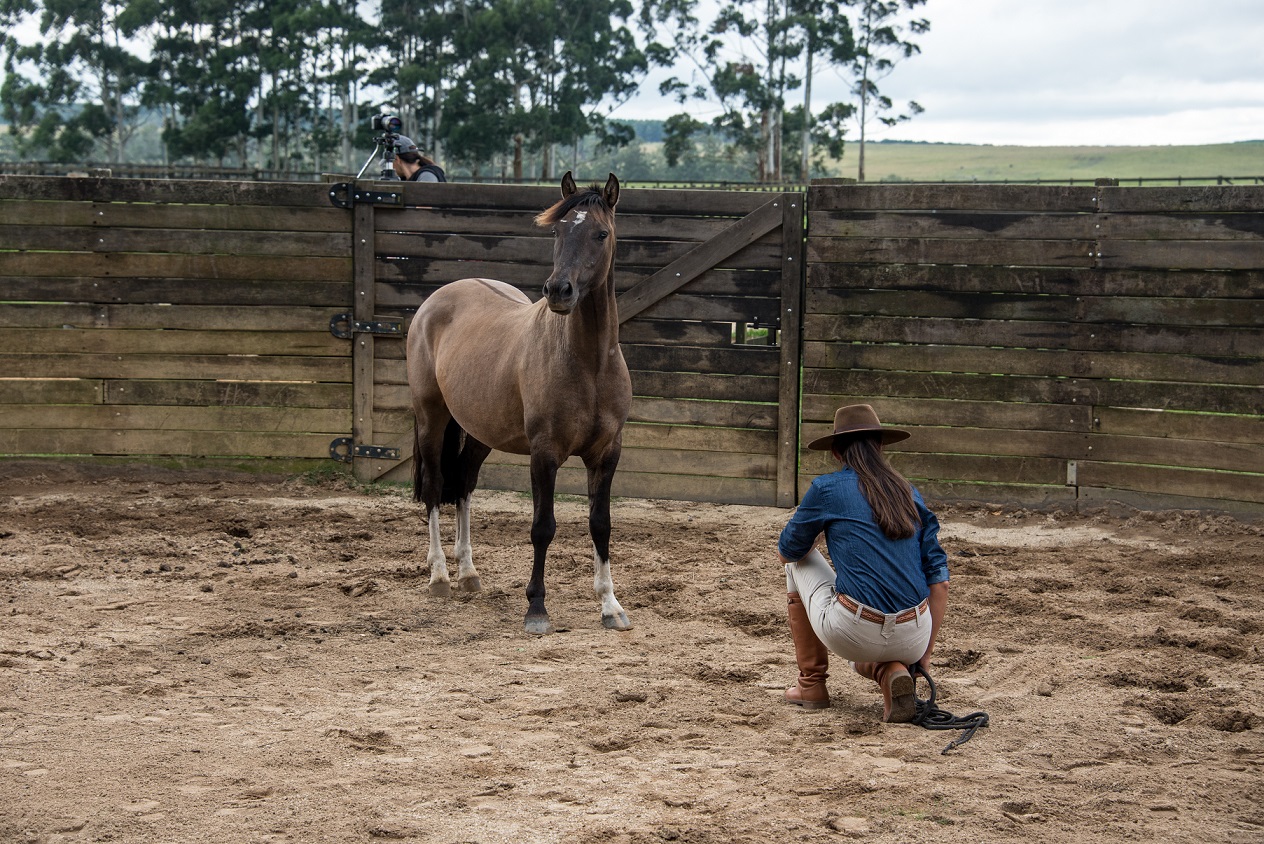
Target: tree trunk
805 155
517 158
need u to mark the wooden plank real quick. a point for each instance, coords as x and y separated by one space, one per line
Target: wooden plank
1180 427
748 309
1181 254
684 385
208 367
186 443
333 422
1200 227
959 467
227 393
984 443
1067 281
197 192
676 333
1092 498
138 265
22 212
535 199
363 364
42 391
182 291
937 493
684 267
904 250
1197 397
1050 198
674 462
901 412
1152 310
149 342
1213 198
519 223
1194 454
722 414
260 218
791 351
1024 334
970 225
169 317
1048 362
627 484
234 243
1164 480
734 360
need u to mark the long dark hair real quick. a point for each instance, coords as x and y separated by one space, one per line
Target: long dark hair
889 495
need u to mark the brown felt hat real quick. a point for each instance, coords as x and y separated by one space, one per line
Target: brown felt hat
853 419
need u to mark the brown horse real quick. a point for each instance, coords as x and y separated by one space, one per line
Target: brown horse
489 369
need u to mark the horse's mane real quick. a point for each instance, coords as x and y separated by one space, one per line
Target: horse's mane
589 196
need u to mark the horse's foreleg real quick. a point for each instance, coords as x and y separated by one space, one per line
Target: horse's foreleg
543 528
600 478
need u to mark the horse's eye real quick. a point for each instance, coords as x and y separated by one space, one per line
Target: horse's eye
602 235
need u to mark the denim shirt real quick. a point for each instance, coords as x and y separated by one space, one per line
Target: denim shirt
887 574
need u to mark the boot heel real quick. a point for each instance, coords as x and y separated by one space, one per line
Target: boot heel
903 698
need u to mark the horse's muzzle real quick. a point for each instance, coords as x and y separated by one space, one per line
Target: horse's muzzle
560 296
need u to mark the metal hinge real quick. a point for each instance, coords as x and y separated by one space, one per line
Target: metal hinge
344 327
344 450
345 195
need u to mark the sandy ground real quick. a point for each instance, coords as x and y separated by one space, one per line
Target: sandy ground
188 657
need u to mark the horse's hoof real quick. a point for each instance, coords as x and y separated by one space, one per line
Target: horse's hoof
616 622
538 624
441 589
470 584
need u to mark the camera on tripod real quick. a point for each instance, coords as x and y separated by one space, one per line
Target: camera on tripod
389 125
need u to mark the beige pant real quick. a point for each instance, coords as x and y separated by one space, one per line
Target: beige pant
845 632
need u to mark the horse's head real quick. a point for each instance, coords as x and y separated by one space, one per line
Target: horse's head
583 241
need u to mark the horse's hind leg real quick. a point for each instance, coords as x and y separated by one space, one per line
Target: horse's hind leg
428 489
543 529
600 477
472 457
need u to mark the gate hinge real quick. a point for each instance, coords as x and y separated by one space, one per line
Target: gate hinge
345 195
344 327
344 450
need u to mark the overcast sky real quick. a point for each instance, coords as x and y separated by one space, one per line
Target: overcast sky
1072 72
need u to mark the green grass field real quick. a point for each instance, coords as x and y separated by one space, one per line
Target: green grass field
891 162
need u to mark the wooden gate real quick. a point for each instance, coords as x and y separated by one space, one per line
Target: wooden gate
709 294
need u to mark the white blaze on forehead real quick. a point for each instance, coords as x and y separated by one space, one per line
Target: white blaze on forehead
580 216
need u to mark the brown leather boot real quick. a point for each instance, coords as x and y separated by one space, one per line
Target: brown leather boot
811 655
899 699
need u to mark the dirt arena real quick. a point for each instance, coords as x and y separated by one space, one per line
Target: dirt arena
187 657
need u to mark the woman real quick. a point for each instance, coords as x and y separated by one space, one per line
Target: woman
411 166
883 606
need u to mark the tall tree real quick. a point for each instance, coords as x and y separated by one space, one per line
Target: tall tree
85 83
826 34
880 45
743 62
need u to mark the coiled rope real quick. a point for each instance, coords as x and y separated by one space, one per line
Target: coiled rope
932 717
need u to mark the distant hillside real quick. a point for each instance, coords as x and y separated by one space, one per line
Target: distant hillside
962 162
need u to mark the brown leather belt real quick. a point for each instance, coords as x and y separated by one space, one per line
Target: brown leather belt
877 617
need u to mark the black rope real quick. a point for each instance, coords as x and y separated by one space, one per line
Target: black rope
932 717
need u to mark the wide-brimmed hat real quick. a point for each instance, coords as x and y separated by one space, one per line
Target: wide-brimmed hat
855 419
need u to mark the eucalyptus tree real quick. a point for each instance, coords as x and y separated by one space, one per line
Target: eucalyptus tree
83 83
744 61
826 34
881 44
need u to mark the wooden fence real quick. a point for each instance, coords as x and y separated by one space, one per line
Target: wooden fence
171 318
1046 345
1049 345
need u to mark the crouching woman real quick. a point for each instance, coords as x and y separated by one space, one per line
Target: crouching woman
882 602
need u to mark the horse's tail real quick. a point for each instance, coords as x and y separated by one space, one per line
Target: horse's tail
451 465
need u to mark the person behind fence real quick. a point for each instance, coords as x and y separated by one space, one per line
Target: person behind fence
412 166
882 602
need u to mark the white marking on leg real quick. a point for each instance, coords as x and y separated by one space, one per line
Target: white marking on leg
436 559
466 575
612 614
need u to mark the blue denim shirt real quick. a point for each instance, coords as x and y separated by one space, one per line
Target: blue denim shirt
887 574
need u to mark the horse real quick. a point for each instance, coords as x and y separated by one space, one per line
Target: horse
489 369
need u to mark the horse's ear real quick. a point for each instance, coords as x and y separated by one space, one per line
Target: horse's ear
568 185
611 192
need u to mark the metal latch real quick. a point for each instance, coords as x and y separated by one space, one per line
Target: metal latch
344 327
345 195
344 450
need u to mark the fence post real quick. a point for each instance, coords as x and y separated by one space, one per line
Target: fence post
365 293
789 395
